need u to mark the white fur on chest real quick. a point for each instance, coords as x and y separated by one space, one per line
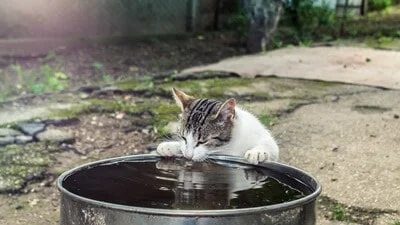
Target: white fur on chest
248 133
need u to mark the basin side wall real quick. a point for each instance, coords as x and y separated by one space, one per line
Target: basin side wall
75 211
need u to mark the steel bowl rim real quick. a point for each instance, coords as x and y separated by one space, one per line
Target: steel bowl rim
172 212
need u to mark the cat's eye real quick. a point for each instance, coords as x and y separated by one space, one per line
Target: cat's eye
219 139
200 143
184 139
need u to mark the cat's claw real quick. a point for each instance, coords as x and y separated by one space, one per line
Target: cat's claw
169 149
256 155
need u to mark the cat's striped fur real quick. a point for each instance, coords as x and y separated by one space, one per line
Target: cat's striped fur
209 126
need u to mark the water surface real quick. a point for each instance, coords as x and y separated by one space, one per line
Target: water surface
181 184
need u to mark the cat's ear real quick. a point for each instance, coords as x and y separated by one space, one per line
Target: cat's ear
182 100
227 110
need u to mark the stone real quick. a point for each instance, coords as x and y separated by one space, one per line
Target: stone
19 113
84 95
388 219
6 140
365 169
108 90
31 128
4 132
58 136
23 139
89 89
62 121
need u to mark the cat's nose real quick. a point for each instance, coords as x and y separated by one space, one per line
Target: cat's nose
189 155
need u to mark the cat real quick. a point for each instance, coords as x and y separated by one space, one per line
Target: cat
208 126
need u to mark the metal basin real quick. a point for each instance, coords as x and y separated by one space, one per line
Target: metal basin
212 192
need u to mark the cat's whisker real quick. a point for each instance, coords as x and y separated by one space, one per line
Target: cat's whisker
215 151
208 161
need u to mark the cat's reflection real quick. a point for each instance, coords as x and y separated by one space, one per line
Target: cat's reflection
208 185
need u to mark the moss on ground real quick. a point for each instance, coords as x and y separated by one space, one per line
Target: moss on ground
140 83
268 120
163 114
370 109
211 88
21 163
383 42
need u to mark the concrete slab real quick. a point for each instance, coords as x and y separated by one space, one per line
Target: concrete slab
22 113
333 222
342 64
351 146
388 219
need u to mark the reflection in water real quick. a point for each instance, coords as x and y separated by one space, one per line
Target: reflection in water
181 184
209 185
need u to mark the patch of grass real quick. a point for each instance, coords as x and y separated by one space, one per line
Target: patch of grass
396 223
378 5
44 78
71 112
99 68
18 79
145 82
380 42
163 114
20 163
212 88
6 89
268 120
339 213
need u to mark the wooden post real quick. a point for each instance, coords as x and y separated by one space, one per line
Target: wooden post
216 14
191 19
344 18
365 8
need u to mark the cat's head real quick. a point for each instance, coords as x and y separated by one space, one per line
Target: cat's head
205 125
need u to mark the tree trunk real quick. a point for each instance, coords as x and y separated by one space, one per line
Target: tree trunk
263 17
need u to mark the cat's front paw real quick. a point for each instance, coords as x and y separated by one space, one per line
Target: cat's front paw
169 149
256 155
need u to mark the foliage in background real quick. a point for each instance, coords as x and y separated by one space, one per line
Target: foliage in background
378 5
99 69
238 23
45 78
304 17
309 19
41 79
306 21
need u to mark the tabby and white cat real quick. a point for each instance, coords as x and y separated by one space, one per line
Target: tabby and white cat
209 126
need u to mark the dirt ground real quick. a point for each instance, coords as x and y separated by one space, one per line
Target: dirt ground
99 135
125 59
320 108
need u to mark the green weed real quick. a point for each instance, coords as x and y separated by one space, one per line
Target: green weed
99 68
379 5
339 213
44 78
267 120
